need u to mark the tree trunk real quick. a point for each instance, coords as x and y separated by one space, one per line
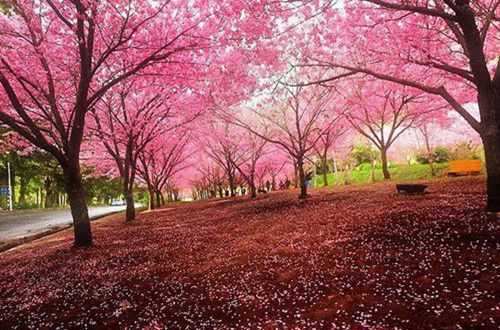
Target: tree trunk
325 172
48 193
372 173
23 184
253 190
158 198
13 182
429 151
302 179
295 175
232 186
79 211
151 198
492 155
383 155
129 200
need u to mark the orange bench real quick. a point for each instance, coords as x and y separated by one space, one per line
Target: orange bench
464 167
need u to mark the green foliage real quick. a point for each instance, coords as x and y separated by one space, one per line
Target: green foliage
363 154
320 169
100 190
4 7
399 172
440 155
38 182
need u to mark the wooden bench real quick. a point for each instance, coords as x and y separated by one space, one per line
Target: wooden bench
464 167
411 188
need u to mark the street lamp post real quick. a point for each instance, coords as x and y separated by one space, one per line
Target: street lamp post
10 185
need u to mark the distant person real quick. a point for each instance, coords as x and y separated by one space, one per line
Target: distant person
268 186
243 191
281 185
288 183
309 177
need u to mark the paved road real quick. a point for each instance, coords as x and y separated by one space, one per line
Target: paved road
29 223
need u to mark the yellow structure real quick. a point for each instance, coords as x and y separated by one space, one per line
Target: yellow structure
464 167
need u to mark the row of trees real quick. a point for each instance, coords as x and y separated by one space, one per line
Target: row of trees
59 60
120 83
445 49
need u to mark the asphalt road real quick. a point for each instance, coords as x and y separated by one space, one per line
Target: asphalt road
21 224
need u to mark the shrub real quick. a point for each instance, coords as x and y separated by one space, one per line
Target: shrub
363 154
440 155
465 150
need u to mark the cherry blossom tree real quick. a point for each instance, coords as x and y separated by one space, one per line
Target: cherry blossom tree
448 49
428 129
59 58
253 150
223 147
382 114
125 121
274 164
293 122
161 160
326 143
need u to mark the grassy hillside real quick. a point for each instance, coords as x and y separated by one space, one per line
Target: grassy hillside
399 172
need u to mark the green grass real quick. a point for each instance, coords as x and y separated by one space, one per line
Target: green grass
399 172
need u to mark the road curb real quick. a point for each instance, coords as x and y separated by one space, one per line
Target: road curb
8 245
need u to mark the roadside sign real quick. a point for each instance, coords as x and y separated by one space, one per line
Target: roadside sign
4 191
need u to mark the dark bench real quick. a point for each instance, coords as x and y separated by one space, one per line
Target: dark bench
411 188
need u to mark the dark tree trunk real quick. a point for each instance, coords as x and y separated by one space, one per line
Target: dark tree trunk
253 190
79 211
488 99
232 186
383 155
492 155
158 198
129 200
302 179
13 183
48 193
23 185
295 175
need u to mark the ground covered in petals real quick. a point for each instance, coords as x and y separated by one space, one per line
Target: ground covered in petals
360 256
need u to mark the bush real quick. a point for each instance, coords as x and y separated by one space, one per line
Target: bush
320 170
422 158
440 155
465 150
363 154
